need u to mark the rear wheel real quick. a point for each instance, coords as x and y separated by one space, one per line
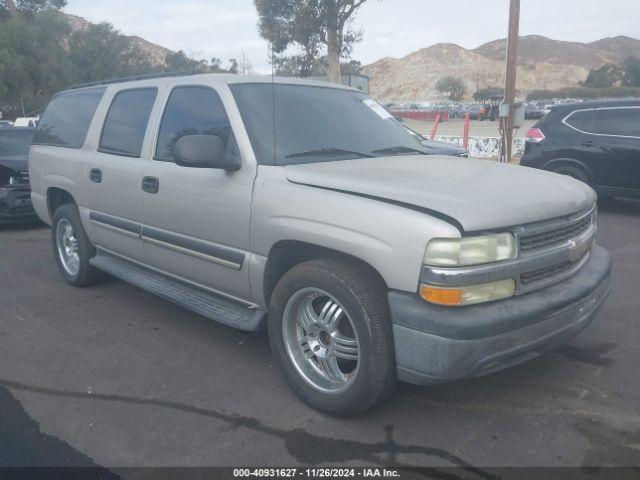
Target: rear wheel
330 333
574 172
72 248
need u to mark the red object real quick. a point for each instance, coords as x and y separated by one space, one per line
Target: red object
465 135
435 127
535 135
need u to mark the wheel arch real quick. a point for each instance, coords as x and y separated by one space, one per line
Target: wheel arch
286 254
556 163
57 197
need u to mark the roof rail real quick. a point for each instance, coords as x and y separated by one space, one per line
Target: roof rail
131 79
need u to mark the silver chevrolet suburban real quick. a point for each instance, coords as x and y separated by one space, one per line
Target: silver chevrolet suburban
306 209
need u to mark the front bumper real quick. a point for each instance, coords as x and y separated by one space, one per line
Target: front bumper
15 205
437 344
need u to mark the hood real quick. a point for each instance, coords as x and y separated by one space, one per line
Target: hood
476 194
17 163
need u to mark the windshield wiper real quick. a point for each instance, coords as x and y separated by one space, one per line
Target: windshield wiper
398 149
328 151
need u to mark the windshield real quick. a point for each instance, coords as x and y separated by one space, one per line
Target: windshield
15 142
294 124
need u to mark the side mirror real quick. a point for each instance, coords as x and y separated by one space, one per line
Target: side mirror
203 151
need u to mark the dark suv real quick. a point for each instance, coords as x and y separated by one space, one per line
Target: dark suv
595 142
15 192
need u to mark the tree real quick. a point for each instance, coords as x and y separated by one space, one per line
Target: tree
485 93
181 62
311 25
608 75
631 76
233 65
245 67
351 67
28 8
452 87
101 52
33 62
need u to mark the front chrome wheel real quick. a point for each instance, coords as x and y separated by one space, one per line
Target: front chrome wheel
321 340
68 247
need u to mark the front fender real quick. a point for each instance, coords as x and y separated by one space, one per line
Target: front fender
390 238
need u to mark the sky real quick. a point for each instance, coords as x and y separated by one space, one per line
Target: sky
391 28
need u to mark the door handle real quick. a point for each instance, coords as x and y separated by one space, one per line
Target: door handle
151 184
95 175
589 143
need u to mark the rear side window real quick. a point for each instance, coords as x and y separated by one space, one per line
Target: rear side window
618 121
191 111
66 120
126 122
582 120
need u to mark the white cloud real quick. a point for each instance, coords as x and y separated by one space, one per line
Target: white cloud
228 28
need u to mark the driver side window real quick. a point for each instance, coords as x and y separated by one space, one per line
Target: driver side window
193 110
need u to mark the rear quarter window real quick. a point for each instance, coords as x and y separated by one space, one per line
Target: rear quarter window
581 120
66 120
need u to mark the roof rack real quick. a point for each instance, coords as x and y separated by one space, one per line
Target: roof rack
131 79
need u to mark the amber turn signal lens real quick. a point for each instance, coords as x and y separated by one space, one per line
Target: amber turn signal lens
441 296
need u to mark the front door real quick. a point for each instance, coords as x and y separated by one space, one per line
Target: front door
618 138
196 220
114 172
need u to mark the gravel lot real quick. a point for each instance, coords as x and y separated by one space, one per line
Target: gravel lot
113 376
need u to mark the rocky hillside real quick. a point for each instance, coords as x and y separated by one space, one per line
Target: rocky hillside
543 63
155 52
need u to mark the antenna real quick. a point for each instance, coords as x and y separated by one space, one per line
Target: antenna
273 92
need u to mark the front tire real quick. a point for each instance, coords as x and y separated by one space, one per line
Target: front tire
72 248
330 334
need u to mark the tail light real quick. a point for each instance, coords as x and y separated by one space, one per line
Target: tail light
535 135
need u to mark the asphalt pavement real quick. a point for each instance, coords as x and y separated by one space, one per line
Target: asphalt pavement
111 376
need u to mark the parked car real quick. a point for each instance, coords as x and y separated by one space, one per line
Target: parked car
532 112
15 193
435 147
597 143
491 108
476 112
6 124
366 260
26 122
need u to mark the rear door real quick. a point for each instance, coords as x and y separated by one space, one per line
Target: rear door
114 172
618 137
196 220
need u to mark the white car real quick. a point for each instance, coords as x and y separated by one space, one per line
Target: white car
26 122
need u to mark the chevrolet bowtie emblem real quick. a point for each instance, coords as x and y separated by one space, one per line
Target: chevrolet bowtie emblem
577 249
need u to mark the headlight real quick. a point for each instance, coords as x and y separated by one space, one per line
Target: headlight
4 192
463 252
469 295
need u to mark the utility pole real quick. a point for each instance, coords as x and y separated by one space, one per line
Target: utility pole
506 123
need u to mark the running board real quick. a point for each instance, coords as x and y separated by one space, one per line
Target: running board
196 299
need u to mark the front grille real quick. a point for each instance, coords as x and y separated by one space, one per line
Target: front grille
556 235
547 272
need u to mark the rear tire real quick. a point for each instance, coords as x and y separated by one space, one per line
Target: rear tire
72 248
574 172
318 360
